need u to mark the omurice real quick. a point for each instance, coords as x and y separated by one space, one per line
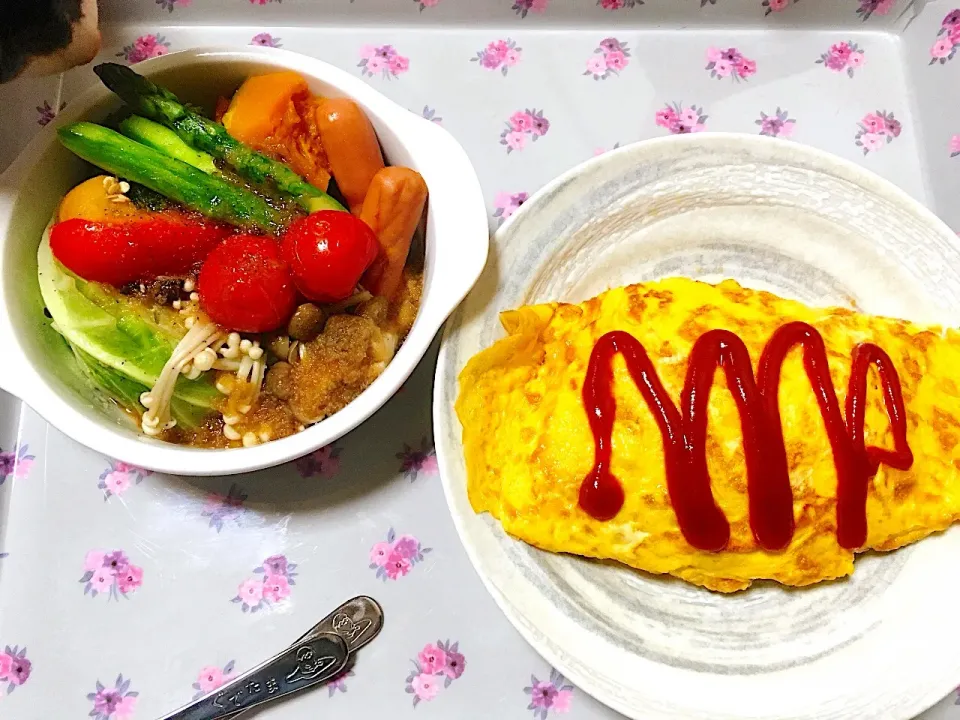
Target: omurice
713 432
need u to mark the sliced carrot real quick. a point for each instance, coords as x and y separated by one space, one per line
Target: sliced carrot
351 146
259 106
392 208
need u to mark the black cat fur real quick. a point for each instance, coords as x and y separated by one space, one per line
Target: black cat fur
31 28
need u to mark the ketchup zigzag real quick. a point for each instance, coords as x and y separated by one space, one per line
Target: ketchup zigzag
684 432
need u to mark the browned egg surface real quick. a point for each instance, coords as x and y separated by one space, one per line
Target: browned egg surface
528 443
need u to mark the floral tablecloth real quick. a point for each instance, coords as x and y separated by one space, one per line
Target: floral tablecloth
124 594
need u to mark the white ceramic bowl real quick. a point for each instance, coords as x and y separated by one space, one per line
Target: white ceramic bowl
37 366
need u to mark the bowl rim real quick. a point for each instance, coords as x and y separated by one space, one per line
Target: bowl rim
419 137
450 455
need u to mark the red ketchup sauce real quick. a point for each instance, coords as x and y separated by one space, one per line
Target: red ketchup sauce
684 432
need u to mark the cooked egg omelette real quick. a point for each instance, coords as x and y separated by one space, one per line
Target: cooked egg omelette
528 444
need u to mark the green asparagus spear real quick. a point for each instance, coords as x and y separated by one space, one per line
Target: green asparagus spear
166 141
173 178
159 104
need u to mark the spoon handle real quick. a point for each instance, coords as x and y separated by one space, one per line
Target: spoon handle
306 663
358 621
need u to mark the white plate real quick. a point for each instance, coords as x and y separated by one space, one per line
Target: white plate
773 215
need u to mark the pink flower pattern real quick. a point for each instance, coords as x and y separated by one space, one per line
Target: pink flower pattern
212 677
431 660
499 55
522 125
549 696
171 5
522 7
383 60
270 584
618 4
945 46
597 152
265 39
426 3
680 120
119 477
413 462
16 464
729 63
844 56
46 114
111 574
772 6
869 7
324 462
338 683
429 113
15 668
224 508
116 703
876 130
394 558
435 668
506 204
610 57
779 124
954 146
144 48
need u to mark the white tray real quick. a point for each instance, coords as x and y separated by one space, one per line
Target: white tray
195 553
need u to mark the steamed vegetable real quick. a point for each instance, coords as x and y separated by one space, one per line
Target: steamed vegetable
257 109
172 178
245 285
92 200
328 252
117 331
166 141
352 148
393 208
121 253
275 114
159 104
126 392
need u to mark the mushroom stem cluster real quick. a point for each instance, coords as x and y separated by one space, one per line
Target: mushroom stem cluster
116 190
203 335
244 358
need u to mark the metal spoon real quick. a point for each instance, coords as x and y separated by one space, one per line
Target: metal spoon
316 657
357 621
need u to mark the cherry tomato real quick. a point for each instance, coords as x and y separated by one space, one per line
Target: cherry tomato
246 285
120 253
328 252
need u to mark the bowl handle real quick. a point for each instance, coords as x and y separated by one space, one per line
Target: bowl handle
457 211
17 377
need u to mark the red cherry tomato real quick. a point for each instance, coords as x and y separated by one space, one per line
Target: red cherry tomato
120 253
328 252
245 285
